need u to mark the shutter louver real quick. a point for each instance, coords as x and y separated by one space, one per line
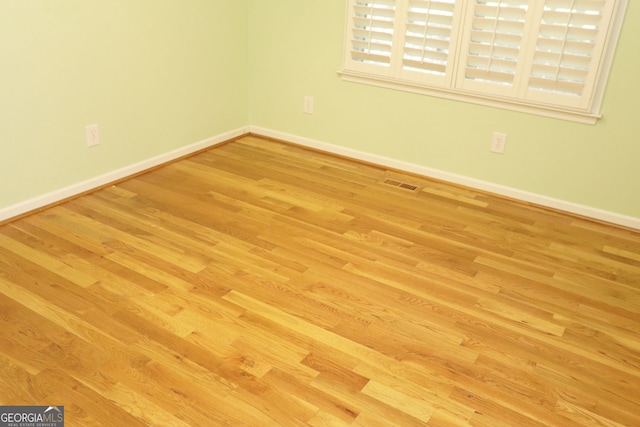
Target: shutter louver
495 41
428 35
569 38
372 31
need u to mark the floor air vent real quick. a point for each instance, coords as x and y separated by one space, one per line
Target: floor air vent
404 185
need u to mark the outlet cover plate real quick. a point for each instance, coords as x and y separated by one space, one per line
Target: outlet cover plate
93 135
498 142
308 104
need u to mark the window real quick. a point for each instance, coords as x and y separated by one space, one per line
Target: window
549 57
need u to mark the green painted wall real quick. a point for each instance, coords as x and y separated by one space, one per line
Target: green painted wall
296 49
160 75
156 75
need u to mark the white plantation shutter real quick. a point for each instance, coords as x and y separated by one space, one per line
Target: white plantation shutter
566 58
549 57
493 46
430 39
371 31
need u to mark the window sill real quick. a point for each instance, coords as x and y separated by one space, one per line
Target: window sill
522 107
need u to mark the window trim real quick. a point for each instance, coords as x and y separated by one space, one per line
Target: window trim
578 115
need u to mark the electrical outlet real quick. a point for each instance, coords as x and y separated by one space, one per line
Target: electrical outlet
93 135
308 105
498 142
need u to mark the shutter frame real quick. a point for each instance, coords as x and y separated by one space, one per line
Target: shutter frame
494 44
370 36
430 40
566 74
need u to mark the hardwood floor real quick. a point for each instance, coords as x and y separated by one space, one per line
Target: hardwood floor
262 284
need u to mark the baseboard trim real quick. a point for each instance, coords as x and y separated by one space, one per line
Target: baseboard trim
57 196
513 193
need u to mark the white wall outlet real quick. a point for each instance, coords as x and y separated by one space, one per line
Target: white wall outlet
498 142
93 135
308 105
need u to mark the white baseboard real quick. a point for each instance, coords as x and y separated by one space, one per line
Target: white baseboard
99 181
514 193
102 180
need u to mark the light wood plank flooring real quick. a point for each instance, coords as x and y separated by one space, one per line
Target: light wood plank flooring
262 284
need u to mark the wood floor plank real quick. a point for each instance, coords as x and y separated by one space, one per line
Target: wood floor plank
263 284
